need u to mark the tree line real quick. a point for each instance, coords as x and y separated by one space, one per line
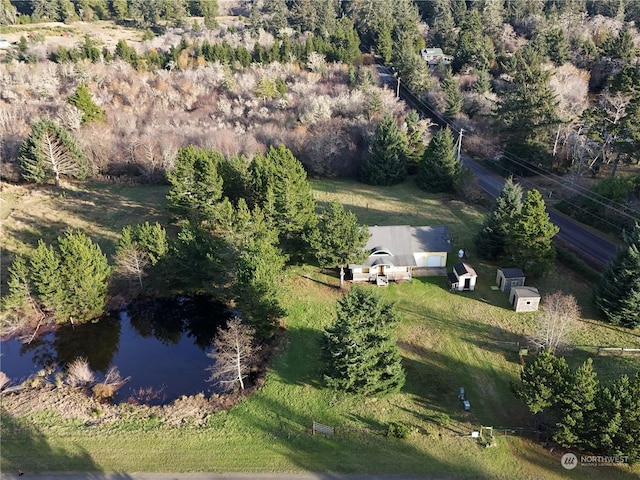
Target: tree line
580 411
240 222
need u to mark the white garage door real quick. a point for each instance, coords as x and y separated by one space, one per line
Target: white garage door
433 260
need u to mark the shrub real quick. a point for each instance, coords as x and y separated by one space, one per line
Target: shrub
103 392
397 430
79 374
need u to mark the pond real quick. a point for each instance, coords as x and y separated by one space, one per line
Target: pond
161 344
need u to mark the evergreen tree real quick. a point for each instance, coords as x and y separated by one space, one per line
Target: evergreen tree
576 427
544 382
492 239
619 46
85 274
617 294
453 95
483 83
70 283
530 237
444 26
120 9
384 44
557 46
208 9
415 141
303 16
412 69
51 152
386 163
527 113
492 17
339 238
279 186
20 288
440 168
257 261
279 15
360 349
83 100
195 185
475 50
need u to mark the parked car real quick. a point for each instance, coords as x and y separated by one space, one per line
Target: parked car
466 405
4 43
461 394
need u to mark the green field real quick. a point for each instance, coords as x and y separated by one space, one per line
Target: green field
446 340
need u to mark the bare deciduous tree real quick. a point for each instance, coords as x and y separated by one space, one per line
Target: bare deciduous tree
234 354
131 262
556 321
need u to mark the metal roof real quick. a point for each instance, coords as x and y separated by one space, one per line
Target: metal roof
462 268
512 272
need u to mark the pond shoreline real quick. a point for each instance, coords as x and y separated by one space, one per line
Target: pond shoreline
74 403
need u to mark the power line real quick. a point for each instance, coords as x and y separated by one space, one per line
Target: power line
547 174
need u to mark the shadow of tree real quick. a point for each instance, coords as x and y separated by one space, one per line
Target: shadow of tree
351 450
25 450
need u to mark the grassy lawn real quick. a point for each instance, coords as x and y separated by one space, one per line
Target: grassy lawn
447 341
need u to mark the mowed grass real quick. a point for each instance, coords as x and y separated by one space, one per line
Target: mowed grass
446 340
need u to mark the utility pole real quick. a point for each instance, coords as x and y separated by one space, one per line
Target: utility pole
460 142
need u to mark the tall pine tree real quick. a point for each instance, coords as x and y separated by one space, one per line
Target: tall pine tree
492 239
360 348
530 243
453 103
339 238
50 151
386 163
576 427
617 294
415 141
196 185
440 168
279 186
527 113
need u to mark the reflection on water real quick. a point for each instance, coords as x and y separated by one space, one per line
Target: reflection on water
161 344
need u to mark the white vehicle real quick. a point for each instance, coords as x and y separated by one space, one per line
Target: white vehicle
4 43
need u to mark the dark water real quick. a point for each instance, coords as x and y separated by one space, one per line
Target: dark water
161 344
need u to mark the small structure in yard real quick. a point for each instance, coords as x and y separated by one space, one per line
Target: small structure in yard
399 252
462 278
506 278
524 299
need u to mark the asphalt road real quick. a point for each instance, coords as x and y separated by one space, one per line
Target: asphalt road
588 245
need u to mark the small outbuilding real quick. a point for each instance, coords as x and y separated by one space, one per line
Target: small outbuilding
463 277
506 278
524 299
